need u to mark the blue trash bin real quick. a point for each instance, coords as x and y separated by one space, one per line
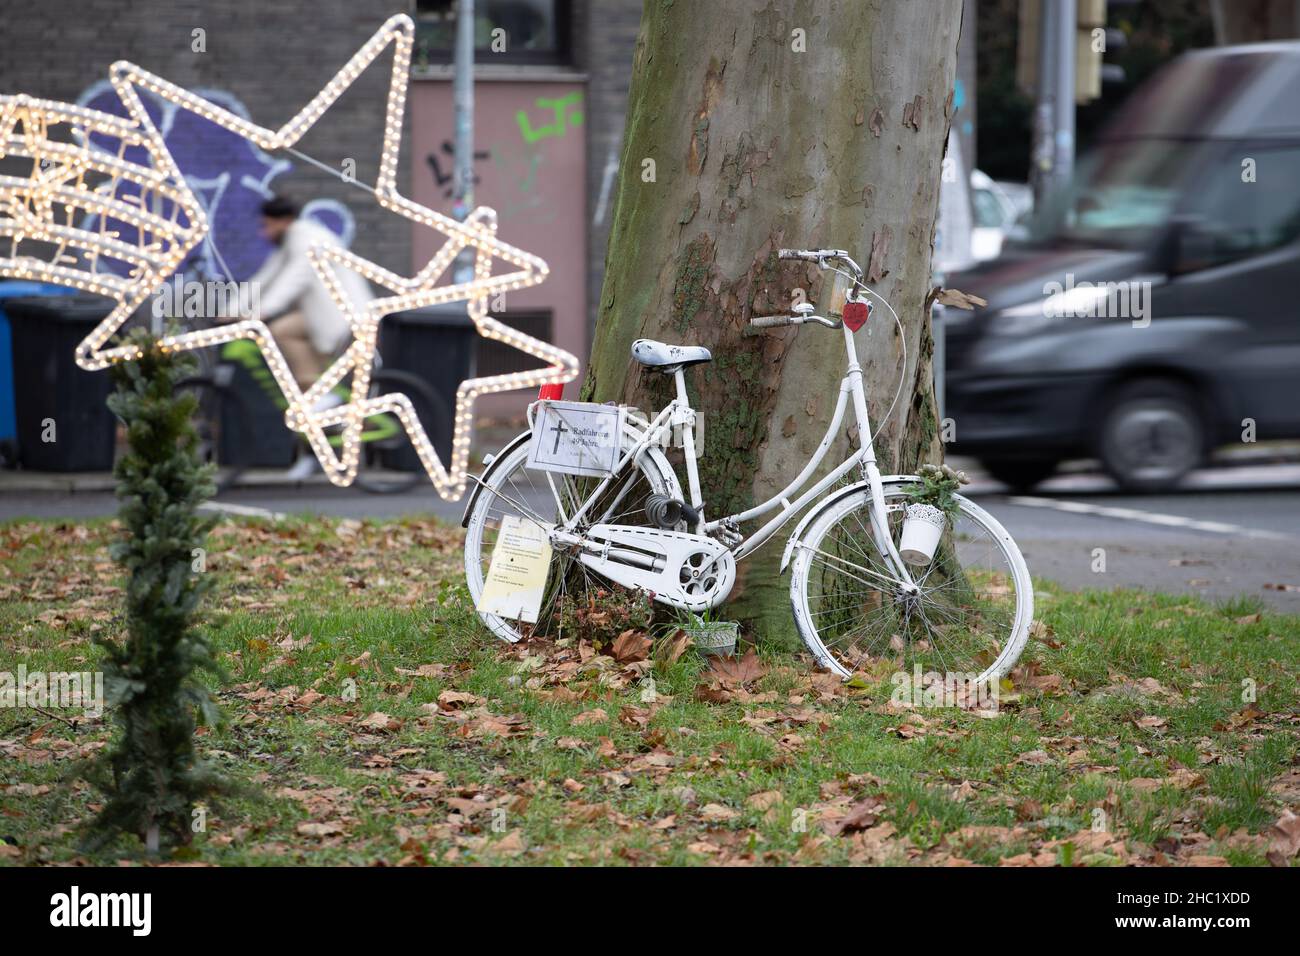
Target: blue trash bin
13 289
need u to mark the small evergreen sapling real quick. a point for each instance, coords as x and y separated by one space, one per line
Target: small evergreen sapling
152 777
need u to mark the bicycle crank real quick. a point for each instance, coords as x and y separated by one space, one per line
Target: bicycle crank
680 569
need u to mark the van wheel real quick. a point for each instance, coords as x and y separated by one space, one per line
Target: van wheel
1020 474
1152 435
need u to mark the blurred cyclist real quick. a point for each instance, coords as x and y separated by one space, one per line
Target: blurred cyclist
304 319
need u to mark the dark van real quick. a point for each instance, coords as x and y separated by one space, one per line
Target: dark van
1153 314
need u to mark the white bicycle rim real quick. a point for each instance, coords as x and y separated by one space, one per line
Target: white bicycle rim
651 463
1012 647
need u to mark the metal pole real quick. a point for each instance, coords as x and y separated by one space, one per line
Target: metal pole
1044 114
1063 141
463 98
966 118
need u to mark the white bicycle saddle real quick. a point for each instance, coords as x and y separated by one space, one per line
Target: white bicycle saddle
660 355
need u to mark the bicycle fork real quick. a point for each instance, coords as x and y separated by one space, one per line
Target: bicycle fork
879 510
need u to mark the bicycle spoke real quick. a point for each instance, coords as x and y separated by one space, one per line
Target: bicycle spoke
512 490
956 618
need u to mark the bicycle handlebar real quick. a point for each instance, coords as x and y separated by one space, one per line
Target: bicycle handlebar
812 255
821 258
808 255
776 321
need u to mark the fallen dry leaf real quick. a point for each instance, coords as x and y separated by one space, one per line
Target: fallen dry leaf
319 830
455 699
1283 839
764 799
861 816
381 722
588 717
737 671
717 813
631 646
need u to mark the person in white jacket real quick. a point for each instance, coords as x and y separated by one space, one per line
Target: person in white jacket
291 298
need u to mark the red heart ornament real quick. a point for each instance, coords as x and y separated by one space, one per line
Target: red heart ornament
856 314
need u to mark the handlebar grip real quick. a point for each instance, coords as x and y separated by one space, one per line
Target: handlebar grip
796 254
770 321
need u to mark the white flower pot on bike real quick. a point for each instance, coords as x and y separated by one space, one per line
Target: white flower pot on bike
922 529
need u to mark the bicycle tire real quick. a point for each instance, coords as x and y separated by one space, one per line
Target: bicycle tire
805 617
430 409
652 463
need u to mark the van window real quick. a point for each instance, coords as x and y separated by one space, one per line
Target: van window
1122 194
1249 201
988 211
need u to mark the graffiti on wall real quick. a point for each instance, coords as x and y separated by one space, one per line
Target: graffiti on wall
517 160
230 176
447 180
565 114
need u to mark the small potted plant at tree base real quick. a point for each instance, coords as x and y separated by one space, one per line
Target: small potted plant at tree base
933 503
710 635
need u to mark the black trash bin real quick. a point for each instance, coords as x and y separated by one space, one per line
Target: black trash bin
436 345
50 387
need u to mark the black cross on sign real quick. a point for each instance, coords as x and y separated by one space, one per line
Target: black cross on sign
559 430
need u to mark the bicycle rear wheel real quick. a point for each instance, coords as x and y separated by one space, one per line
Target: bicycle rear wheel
510 488
970 613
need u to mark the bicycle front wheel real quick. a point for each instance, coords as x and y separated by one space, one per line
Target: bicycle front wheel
389 462
969 613
223 425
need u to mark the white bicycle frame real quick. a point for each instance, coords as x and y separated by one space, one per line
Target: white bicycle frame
679 414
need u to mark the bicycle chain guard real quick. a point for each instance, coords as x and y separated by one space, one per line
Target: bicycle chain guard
682 570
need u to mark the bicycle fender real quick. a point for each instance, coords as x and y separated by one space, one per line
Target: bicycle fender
477 486
812 515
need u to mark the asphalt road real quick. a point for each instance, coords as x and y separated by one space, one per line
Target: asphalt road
1230 531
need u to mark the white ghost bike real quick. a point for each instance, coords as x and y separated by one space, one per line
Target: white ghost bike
856 601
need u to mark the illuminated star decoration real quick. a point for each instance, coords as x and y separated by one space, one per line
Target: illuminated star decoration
27 212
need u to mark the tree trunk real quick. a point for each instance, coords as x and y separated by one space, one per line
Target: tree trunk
751 127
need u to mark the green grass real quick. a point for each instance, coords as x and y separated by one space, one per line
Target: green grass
1127 715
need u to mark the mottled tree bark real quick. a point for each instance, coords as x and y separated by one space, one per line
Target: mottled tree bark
753 126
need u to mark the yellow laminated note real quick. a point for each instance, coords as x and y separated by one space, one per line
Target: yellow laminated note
516 578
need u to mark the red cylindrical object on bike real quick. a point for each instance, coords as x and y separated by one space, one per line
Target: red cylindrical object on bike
550 393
